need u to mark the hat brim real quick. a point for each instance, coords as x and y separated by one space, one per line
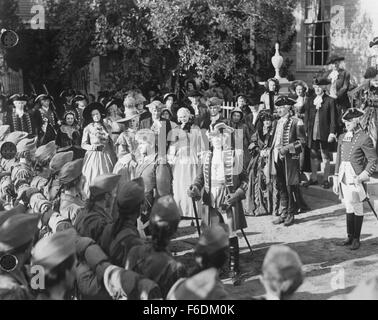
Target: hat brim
93 106
123 120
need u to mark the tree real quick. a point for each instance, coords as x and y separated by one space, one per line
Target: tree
163 40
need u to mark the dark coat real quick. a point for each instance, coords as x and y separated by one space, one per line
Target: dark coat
327 118
158 266
342 88
296 137
236 181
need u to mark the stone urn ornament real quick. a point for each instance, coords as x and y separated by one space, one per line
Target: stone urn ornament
277 61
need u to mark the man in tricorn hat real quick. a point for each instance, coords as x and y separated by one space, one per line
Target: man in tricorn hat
19 119
225 181
154 260
320 126
45 119
340 83
373 59
288 140
356 161
211 254
16 239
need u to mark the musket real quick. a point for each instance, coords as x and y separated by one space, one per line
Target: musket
52 102
32 87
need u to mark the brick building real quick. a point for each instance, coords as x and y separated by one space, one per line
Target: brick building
344 27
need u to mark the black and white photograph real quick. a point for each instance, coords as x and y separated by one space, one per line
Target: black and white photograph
201 152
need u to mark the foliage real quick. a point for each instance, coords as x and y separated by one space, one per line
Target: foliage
161 41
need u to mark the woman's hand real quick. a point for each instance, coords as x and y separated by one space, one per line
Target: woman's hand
99 147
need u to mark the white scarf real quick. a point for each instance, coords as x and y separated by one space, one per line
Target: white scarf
318 102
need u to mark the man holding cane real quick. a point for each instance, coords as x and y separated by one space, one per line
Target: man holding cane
355 163
225 182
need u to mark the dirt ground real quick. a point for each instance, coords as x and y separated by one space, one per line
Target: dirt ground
331 271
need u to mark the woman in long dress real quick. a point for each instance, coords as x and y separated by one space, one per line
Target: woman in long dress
68 135
183 156
100 157
126 146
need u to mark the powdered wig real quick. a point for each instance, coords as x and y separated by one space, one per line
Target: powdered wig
129 101
183 111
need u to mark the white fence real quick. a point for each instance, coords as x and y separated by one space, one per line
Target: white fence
227 107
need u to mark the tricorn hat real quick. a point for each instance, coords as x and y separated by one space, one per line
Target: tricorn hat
284 101
352 113
334 58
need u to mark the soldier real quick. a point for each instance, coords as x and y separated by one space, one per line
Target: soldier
92 221
56 164
19 119
45 120
119 237
22 174
69 179
282 273
211 254
56 254
154 170
43 156
355 162
287 143
225 181
124 284
16 239
155 261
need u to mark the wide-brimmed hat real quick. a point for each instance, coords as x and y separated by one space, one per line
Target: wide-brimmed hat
130 113
93 106
334 58
117 102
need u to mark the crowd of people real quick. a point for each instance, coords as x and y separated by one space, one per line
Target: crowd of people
106 181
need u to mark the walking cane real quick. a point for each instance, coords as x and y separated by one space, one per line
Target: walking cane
196 216
371 207
246 240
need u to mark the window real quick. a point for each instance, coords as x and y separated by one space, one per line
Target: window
317 31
